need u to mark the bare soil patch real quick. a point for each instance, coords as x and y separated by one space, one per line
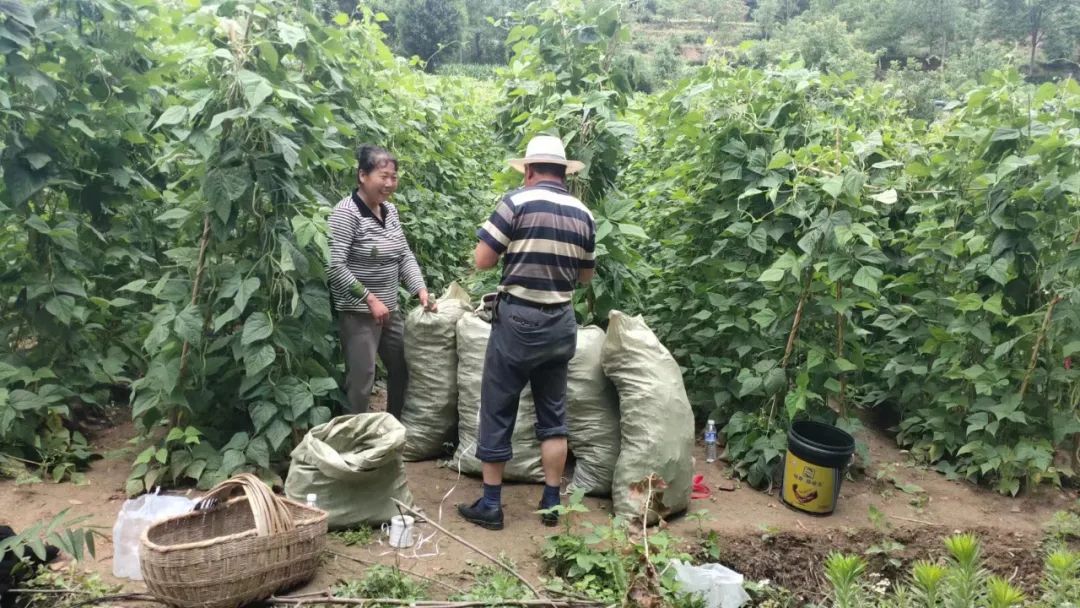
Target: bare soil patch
759 537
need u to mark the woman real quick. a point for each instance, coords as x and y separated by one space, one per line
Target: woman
369 259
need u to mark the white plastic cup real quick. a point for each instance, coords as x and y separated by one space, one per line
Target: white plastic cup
402 532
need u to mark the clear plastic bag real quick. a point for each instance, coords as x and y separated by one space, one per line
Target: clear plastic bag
134 518
719 586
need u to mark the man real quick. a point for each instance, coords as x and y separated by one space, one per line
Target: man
547 238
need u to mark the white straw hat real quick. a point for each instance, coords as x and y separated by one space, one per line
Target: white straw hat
546 149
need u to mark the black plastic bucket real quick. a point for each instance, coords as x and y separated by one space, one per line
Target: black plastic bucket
817 457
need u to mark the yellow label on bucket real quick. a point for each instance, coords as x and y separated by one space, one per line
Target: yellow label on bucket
808 487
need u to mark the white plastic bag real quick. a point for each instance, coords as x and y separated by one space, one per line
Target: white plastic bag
134 518
719 586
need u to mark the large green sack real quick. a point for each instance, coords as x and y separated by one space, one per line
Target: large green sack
430 413
592 414
657 423
353 465
472 339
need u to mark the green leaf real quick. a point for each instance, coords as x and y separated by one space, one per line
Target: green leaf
226 115
999 271
277 433
794 403
134 487
845 365
238 441
1005 347
231 314
62 307
758 240
145 456
772 275
136 286
833 185
867 277
37 160
887 197
171 116
257 327
288 150
633 230
779 160
291 34
764 317
256 88
322 386
261 414
1071 348
246 290
258 452
969 302
176 214
222 187
77 123
231 461
319 415
257 358
296 395
189 325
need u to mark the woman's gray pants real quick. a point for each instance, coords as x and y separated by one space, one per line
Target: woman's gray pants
361 339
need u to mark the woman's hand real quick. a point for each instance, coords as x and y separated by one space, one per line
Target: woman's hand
427 302
378 309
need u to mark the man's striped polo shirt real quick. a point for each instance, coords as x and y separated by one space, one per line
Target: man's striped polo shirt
547 236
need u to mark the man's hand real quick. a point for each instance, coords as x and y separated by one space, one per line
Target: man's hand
378 310
429 304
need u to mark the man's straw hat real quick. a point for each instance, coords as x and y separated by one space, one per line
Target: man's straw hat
546 149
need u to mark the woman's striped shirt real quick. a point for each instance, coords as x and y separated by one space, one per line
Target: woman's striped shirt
373 252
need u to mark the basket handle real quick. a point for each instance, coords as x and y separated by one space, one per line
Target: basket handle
270 513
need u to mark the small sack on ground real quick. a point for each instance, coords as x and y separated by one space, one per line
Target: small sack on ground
472 339
430 414
353 465
653 475
592 412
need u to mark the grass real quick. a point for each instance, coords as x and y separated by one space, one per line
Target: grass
355 536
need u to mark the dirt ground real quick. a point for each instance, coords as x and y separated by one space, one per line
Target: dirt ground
757 535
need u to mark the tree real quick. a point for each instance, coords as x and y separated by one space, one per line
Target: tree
1055 23
772 14
720 12
484 36
430 29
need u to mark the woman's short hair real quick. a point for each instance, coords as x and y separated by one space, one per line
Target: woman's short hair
371 157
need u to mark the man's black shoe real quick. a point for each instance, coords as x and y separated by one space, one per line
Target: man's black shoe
492 519
548 519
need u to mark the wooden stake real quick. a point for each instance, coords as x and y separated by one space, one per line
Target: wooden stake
1038 345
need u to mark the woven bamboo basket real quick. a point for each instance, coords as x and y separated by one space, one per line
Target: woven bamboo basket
230 552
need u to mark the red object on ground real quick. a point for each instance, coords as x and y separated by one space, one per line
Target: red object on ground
700 490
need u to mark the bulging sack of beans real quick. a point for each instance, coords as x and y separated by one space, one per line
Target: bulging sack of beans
592 413
653 475
472 339
430 414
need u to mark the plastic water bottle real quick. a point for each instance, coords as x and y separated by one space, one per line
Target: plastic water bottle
710 441
311 498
